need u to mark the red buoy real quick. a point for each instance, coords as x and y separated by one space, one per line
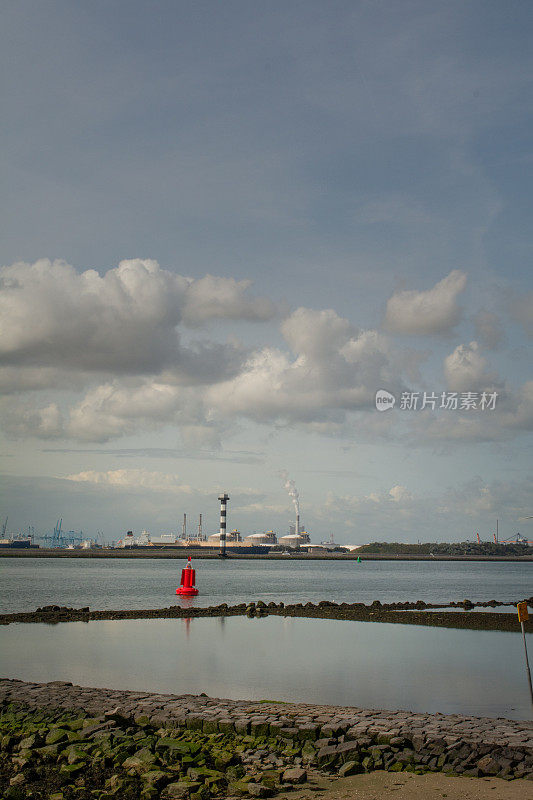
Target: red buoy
188 576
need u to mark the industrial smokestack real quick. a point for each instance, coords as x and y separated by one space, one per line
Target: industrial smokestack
293 493
223 500
200 529
184 528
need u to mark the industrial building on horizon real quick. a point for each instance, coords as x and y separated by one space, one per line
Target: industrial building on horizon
234 541
264 540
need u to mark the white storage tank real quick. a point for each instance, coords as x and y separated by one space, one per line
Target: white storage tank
293 540
266 538
232 536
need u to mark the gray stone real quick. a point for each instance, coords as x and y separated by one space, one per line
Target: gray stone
242 726
226 725
289 733
294 775
259 728
309 731
258 790
118 715
324 742
488 765
327 755
333 730
474 772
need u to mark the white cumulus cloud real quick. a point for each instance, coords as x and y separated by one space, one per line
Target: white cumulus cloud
399 494
434 311
466 369
125 321
212 297
335 368
121 408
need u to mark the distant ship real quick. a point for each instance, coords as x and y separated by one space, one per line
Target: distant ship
25 542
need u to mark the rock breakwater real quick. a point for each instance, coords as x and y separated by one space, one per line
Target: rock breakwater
404 613
62 741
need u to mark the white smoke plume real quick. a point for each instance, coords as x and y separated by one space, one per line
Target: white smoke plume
292 490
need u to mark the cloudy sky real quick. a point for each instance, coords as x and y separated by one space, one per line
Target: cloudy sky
225 226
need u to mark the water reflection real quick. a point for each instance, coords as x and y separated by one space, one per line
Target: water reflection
323 661
186 602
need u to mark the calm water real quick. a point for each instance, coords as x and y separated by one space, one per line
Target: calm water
325 661
28 583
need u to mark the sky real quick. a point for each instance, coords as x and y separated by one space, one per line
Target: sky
225 226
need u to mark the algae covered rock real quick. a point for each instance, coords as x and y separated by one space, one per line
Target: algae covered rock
349 768
56 736
70 771
156 778
235 771
179 790
271 778
18 780
203 773
167 743
49 751
202 793
308 751
29 742
223 758
140 761
7 742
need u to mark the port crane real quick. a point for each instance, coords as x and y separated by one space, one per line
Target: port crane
57 539
518 539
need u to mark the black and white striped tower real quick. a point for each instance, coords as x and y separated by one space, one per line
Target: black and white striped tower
223 500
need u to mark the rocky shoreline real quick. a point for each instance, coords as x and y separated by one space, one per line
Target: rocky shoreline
418 613
60 742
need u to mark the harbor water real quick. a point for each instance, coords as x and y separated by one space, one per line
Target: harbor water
373 665
26 583
364 664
